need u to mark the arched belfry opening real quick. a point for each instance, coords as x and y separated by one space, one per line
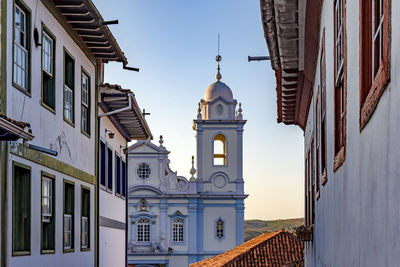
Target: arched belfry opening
219 150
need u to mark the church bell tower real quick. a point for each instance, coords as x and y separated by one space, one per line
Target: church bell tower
219 136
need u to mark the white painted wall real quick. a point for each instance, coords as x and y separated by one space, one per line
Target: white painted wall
357 213
76 258
112 245
52 132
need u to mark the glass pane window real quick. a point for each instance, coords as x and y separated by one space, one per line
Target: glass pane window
85 218
68 103
143 171
177 230
47 188
21 48
85 103
69 86
47 54
67 231
339 46
85 90
85 232
377 35
143 230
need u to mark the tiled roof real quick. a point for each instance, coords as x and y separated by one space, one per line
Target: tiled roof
131 123
19 124
12 130
268 249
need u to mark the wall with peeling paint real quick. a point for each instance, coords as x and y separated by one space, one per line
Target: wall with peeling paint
52 132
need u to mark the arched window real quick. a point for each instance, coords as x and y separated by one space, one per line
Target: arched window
143 230
219 150
177 230
220 229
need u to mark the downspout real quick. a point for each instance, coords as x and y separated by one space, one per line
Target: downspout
129 107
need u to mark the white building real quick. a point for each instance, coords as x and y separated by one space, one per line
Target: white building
175 221
52 55
120 121
337 66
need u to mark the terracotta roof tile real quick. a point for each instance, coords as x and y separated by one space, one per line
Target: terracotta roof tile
268 249
20 124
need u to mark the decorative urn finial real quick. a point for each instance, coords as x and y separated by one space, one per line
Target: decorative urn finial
192 170
239 113
161 141
199 112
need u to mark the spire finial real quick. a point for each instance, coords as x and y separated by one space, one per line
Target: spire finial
218 58
161 140
192 170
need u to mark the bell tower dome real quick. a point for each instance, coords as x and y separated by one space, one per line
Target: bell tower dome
219 136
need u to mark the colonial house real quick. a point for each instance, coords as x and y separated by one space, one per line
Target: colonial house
336 64
52 55
175 221
120 121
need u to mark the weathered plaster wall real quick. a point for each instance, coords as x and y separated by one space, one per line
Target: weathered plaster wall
357 214
52 132
49 129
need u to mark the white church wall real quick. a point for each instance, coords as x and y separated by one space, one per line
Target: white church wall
211 215
230 169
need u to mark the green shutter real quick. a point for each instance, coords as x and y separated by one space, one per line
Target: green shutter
21 228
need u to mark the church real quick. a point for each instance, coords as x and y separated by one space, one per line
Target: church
176 221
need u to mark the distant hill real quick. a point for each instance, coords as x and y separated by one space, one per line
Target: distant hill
253 228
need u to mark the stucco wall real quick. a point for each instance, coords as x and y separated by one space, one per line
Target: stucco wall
49 129
357 213
76 258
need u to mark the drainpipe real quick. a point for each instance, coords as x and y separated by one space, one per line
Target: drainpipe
129 107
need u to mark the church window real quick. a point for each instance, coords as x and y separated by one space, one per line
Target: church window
177 230
219 150
143 230
143 171
220 228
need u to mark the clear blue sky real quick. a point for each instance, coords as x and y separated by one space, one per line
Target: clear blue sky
174 43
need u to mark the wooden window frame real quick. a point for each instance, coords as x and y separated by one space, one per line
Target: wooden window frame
372 89
46 31
72 248
118 175
53 217
109 173
15 165
84 105
340 93
70 122
28 32
123 178
83 189
322 74
102 165
317 144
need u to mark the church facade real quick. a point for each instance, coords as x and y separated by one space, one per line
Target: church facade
175 221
